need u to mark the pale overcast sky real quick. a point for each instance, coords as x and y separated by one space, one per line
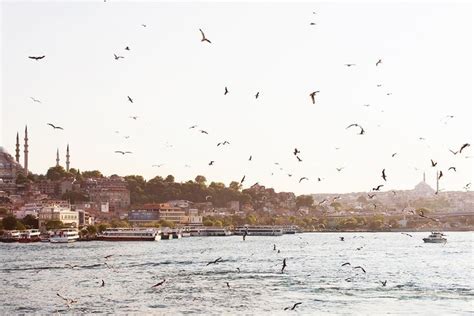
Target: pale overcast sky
177 81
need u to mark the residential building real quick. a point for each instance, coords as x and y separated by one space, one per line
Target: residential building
58 213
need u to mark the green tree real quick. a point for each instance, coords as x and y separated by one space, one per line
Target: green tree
91 230
54 224
20 226
73 197
92 174
21 179
9 222
56 173
235 186
207 222
200 180
169 179
102 227
30 221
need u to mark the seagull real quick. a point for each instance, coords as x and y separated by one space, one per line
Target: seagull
433 163
325 200
208 197
312 23
378 62
467 186
359 267
379 85
384 283
339 169
211 162
144 25
346 264
407 234
464 146
299 159
223 143
362 131
215 261
377 188
123 152
103 283
194 126
394 154
453 152
133 117
384 177
371 196
118 57
313 96
350 65
341 238
250 158
284 265
296 151
294 306
204 39
68 300
203 132
303 178
440 174
127 48
35 100
228 285
453 168
108 256
55 127
129 99
241 181
389 93
159 283
36 57
256 96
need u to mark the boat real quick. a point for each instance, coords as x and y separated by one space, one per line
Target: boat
30 235
66 235
208 231
130 234
258 230
435 237
10 236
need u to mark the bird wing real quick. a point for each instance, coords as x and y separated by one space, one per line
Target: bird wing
202 33
354 124
51 125
120 152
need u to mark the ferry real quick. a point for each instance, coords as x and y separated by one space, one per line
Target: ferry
435 237
169 233
208 231
30 235
10 236
130 234
66 235
259 230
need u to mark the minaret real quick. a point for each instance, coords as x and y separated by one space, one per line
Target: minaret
67 158
57 157
25 166
17 156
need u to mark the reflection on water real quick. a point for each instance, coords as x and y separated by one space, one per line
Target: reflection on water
421 278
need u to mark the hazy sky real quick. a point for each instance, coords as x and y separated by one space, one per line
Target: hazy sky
177 81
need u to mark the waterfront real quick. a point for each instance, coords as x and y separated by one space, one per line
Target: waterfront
421 278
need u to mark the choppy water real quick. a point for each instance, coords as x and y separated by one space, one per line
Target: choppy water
424 279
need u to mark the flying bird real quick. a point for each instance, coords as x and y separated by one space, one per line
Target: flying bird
377 188
55 127
407 234
464 146
223 143
312 23
36 57
215 261
359 267
394 154
133 117
370 196
117 57
299 159
453 152
453 168
159 283
362 131
384 177
103 283
204 39
203 132
313 96
433 163
123 152
378 62
241 181
228 285
108 256
296 151
194 126
303 178
130 99
294 306
339 169
250 158
440 174
211 162
346 264
341 238
162 164
35 100
323 201
208 197
384 283
256 96
127 48
349 65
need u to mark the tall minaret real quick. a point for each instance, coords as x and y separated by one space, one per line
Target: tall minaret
67 158
25 166
17 156
57 157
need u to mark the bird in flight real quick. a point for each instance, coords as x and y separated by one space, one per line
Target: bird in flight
226 90
346 264
294 306
55 127
379 85
241 181
159 283
322 202
37 57
223 143
130 99
250 158
204 39
299 159
103 283
463 146
203 132
35 100
378 62
256 96
117 57
313 96
440 174
371 196
394 154
384 177
349 65
452 168
211 162
122 152
296 151
215 261
339 169
312 23
453 152
377 188
433 163
407 234
127 48
133 117
362 131
384 283
359 267
194 126
303 178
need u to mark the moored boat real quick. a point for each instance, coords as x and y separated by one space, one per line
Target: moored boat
130 234
259 230
208 231
66 235
30 235
10 236
436 238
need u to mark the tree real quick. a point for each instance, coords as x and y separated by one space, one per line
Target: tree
235 186
304 200
21 179
73 197
207 222
54 224
30 221
56 173
165 223
200 180
169 179
9 222
91 230
92 174
102 227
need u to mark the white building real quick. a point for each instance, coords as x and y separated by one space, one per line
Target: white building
58 213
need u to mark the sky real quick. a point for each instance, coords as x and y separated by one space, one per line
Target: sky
176 81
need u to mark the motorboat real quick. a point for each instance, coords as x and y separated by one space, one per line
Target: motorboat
130 234
435 237
30 235
259 230
66 235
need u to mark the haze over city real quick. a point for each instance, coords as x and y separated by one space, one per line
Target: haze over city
176 81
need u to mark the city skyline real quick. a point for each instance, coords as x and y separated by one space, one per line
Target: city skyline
176 81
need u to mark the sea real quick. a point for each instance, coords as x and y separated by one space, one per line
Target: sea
421 279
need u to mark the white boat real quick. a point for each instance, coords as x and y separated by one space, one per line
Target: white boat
10 236
208 231
130 234
30 235
435 237
259 230
66 235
